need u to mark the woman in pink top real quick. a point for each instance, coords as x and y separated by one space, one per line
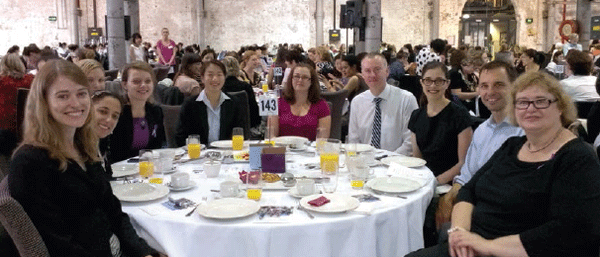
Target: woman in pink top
301 109
166 49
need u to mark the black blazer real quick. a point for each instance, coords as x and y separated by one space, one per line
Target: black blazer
193 119
232 84
122 137
75 211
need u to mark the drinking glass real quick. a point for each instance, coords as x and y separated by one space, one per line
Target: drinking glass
254 184
157 176
237 139
330 156
321 139
146 163
269 136
330 182
193 145
351 152
358 175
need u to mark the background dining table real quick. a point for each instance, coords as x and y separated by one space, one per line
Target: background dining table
391 226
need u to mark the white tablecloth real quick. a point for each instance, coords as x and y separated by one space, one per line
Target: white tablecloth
393 228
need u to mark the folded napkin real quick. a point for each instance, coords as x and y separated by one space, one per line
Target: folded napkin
319 201
422 176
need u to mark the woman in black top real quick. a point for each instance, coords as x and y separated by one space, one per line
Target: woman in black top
441 129
107 108
141 122
538 195
197 112
56 173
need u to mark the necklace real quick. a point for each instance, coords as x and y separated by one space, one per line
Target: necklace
552 141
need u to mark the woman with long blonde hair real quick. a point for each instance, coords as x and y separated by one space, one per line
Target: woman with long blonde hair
56 174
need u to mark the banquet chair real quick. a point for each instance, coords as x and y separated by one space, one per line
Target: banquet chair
161 72
21 101
111 74
242 96
15 221
170 120
411 84
337 100
583 109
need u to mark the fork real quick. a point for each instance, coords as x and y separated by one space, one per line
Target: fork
204 199
299 207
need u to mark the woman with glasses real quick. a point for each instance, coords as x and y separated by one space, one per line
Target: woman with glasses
107 109
140 125
538 195
463 80
302 111
441 129
56 173
212 114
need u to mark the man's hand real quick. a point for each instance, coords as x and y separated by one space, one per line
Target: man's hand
444 210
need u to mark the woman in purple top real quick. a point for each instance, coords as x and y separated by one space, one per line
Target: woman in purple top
301 109
166 49
140 125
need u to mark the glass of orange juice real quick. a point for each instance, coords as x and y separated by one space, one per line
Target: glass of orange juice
254 184
146 164
237 139
330 155
193 146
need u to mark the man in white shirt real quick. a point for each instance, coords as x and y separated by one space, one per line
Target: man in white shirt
495 79
384 126
581 86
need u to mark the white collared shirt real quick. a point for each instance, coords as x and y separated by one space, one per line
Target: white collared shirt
214 115
581 88
396 108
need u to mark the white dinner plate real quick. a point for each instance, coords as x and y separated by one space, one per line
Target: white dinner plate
190 185
362 147
227 144
393 185
139 192
122 170
228 208
338 203
294 142
410 162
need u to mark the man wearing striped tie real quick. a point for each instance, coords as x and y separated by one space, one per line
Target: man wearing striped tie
380 115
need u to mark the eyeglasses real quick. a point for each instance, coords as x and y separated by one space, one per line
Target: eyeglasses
438 82
298 77
538 104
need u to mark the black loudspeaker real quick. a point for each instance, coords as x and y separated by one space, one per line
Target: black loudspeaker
343 17
354 13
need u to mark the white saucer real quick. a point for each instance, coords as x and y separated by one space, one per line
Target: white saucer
294 193
190 185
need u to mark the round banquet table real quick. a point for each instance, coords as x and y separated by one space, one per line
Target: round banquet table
390 227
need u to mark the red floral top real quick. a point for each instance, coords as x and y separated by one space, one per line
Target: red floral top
8 100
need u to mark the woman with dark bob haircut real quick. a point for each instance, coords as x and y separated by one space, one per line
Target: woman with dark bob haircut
211 114
56 174
539 194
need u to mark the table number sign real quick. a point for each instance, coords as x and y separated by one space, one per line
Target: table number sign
268 105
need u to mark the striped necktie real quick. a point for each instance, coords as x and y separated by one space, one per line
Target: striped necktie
376 137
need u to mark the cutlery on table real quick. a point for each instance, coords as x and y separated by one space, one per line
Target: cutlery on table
388 194
299 207
204 199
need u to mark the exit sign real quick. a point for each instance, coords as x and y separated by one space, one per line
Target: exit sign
529 20
52 18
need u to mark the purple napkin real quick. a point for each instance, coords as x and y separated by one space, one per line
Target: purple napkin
319 201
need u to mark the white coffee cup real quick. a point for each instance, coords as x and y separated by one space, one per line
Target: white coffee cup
229 189
180 180
305 186
212 168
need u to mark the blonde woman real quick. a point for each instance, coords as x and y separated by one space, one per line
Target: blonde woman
94 72
12 77
251 61
56 174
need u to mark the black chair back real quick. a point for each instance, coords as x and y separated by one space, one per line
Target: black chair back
242 97
337 100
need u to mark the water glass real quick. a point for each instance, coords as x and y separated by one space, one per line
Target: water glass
330 182
359 175
146 163
254 184
237 139
193 146
157 175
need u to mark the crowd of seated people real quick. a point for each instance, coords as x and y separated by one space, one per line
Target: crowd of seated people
521 150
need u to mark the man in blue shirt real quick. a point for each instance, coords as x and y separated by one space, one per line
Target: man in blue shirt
495 79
